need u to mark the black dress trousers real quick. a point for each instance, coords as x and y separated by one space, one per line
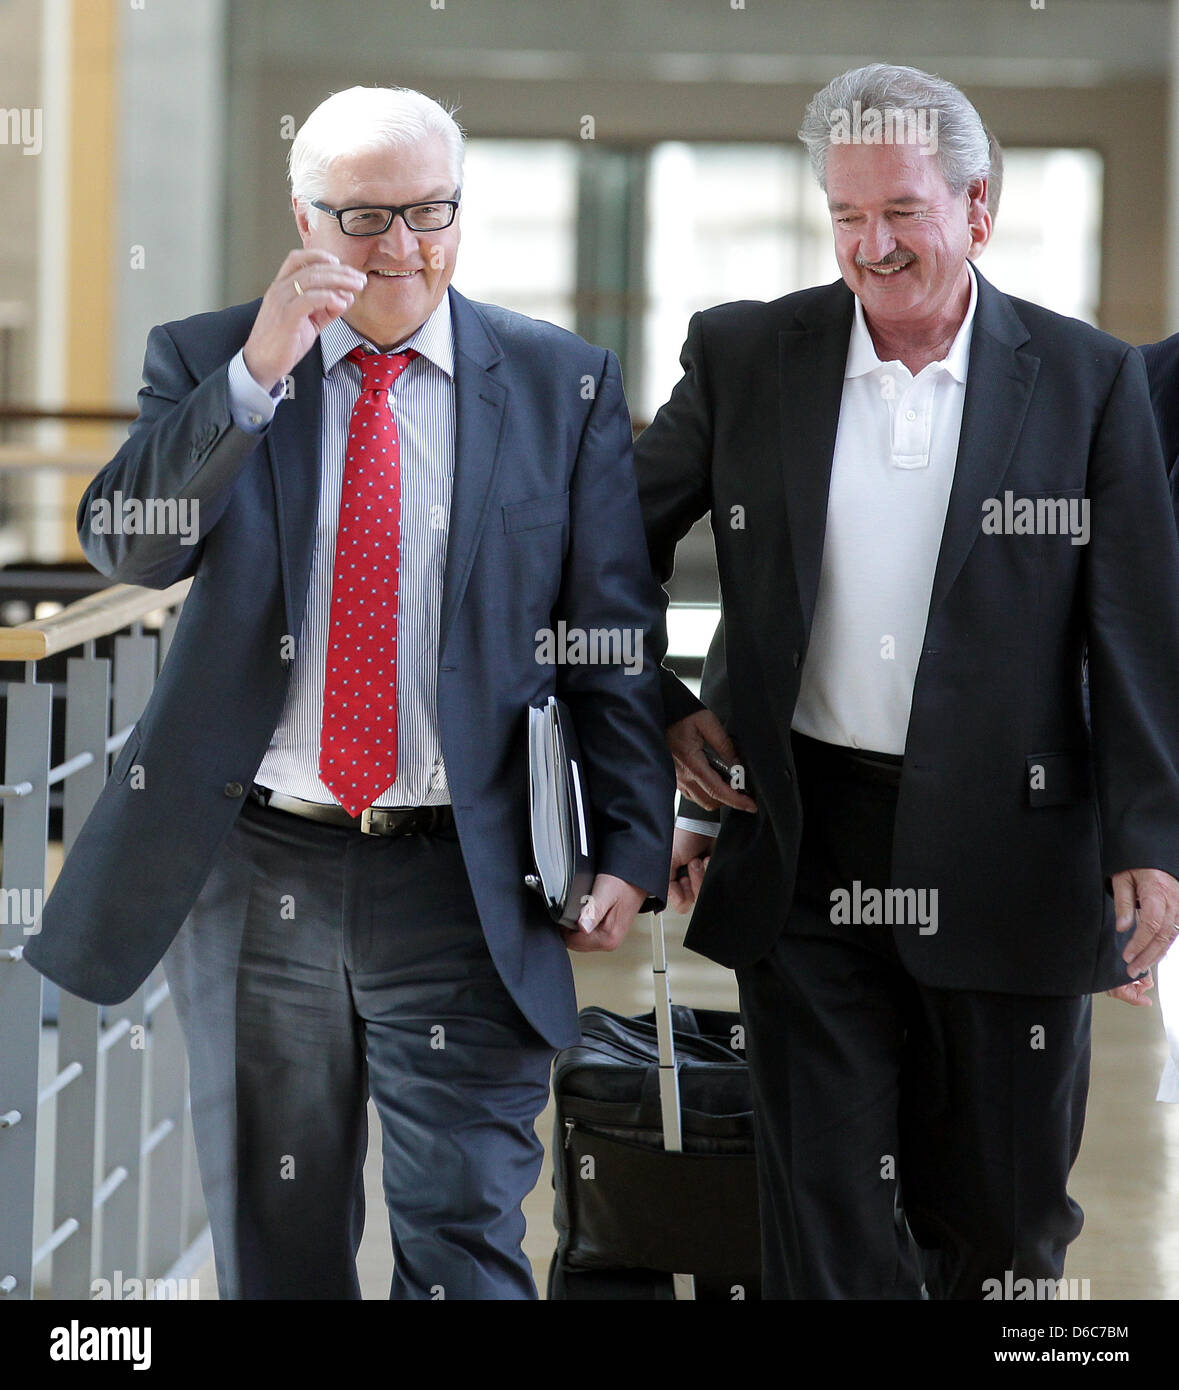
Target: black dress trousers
911 1141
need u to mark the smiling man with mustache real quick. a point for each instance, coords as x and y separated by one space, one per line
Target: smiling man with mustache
900 689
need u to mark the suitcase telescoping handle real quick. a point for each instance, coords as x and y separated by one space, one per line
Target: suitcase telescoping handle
669 1090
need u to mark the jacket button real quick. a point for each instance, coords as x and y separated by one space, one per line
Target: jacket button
234 789
796 657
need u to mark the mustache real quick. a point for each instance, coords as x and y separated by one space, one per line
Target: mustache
893 258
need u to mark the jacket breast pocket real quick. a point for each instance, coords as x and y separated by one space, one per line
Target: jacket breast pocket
126 758
1058 779
552 510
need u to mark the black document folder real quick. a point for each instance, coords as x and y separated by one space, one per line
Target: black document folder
559 808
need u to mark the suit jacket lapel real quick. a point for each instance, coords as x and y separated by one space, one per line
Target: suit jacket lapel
811 359
480 403
293 445
999 387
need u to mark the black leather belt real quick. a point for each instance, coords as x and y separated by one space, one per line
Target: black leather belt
862 763
373 820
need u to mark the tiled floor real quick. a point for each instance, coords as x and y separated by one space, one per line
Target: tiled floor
1127 1177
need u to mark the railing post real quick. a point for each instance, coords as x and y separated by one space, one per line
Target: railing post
26 829
135 674
125 1040
88 681
87 726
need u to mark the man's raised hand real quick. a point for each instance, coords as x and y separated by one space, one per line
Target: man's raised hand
311 290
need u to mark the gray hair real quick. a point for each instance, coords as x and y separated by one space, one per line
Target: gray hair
961 139
362 119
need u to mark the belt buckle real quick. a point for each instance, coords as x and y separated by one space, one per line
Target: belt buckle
366 821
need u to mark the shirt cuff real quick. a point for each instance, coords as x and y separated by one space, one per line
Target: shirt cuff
698 827
251 406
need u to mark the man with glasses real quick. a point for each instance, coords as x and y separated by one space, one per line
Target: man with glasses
398 493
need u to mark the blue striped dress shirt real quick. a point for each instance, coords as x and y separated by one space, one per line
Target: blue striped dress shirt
423 400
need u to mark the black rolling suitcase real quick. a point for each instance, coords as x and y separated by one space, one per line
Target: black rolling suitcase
656 1195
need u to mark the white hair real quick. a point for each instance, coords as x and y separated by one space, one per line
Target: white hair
361 119
962 145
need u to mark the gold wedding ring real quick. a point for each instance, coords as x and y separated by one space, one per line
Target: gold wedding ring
298 287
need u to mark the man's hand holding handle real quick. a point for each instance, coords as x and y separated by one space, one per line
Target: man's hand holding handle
705 760
698 775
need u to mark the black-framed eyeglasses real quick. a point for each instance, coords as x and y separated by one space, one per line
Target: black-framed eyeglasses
434 216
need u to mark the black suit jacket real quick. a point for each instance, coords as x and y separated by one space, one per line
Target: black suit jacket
544 528
1020 858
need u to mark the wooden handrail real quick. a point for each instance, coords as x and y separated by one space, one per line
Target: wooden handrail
82 414
22 458
96 615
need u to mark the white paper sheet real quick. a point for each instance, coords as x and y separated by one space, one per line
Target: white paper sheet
1166 975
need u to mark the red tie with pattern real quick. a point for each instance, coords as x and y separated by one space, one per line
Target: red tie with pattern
358 742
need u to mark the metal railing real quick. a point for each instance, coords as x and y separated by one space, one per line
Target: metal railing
116 1192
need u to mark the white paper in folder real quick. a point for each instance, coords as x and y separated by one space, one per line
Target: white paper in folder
1166 974
559 811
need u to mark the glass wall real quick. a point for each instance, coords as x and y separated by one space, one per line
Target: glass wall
721 222
519 227
1046 243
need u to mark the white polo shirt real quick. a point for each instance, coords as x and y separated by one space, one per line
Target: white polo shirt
895 454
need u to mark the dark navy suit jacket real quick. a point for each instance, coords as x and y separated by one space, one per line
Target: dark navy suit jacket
545 526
